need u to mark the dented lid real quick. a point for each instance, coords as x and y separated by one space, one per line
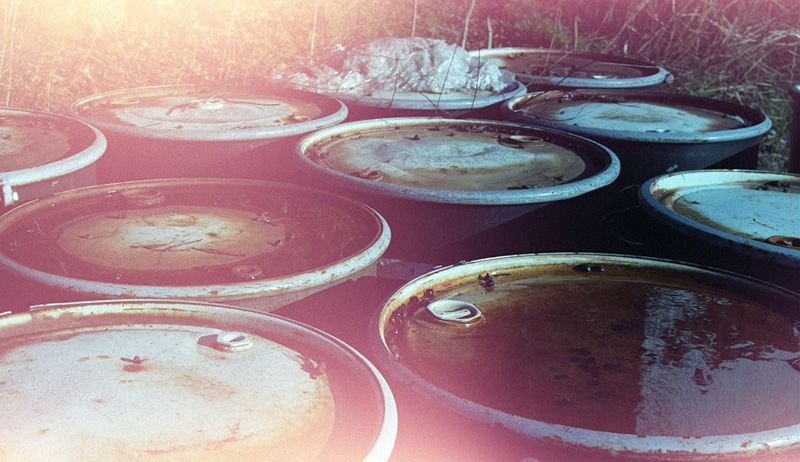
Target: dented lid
124 381
637 116
36 146
210 113
756 213
573 69
463 161
203 239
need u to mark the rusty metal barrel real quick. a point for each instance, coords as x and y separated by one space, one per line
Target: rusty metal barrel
174 381
199 130
43 153
453 184
745 221
651 133
601 357
244 242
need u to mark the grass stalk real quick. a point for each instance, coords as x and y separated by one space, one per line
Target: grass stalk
466 24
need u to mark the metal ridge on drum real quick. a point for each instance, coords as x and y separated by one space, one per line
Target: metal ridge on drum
38 146
737 209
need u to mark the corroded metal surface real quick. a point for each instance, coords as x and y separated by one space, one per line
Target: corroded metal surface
458 161
605 357
151 380
209 240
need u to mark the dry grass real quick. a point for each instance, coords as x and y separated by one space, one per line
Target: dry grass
54 52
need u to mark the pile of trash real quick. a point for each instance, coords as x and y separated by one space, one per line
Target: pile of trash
401 65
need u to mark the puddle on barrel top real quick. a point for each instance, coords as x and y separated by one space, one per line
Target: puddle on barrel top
257 233
622 356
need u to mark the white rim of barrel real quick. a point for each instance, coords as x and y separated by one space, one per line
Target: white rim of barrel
335 112
654 76
656 447
607 174
229 292
377 445
659 193
51 170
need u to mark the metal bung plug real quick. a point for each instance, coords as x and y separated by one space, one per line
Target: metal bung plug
233 341
454 311
785 241
143 196
210 103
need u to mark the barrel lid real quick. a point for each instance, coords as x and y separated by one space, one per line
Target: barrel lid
202 239
156 380
640 116
36 146
209 113
617 354
573 69
755 213
463 161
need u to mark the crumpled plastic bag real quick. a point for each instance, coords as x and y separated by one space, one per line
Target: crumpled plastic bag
413 64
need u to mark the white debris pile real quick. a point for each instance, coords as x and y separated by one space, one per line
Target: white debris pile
402 65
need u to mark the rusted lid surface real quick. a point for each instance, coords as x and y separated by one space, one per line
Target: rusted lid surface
630 356
210 113
199 238
461 161
37 145
573 69
123 381
736 209
637 116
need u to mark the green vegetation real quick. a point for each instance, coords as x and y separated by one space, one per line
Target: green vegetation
57 51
